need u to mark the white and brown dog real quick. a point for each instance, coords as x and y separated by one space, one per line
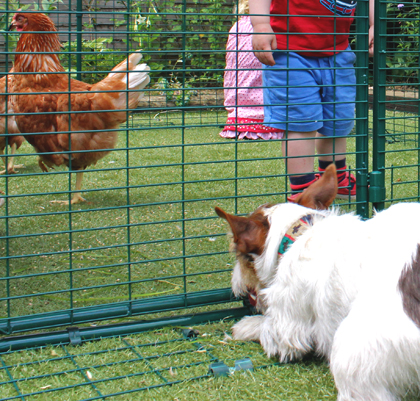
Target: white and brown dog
331 283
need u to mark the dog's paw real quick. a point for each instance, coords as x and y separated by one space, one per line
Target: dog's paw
259 328
248 329
277 345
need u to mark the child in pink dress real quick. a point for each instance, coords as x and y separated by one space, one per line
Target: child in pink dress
242 87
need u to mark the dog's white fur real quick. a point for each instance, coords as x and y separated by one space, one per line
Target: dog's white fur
335 292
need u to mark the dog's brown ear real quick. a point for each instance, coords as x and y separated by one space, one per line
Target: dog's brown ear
321 193
249 233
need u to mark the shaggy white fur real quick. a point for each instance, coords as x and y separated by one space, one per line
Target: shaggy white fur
336 292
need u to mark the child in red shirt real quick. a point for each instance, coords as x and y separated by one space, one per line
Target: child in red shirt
309 82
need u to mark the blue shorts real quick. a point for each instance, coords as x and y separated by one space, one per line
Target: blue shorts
321 93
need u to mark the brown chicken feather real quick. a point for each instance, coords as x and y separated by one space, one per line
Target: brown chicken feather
79 133
12 140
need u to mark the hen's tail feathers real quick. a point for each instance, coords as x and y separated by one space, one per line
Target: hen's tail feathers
134 75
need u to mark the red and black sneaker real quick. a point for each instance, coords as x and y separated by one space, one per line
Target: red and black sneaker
346 186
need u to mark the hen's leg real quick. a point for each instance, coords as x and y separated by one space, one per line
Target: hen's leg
10 168
42 166
76 196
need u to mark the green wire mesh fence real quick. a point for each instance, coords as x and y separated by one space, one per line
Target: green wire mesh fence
395 102
148 228
147 242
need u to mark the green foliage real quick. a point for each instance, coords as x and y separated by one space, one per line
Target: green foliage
190 38
94 66
175 92
46 5
403 61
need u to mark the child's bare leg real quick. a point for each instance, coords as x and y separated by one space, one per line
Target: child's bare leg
300 151
330 149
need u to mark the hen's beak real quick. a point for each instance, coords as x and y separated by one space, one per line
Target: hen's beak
12 26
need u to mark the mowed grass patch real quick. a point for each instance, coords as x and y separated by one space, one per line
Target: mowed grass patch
162 365
148 227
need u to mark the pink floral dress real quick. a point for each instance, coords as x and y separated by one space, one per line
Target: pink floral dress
242 87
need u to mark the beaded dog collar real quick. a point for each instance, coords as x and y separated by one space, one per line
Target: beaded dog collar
296 229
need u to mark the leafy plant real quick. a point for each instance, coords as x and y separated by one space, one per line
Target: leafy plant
46 5
94 66
176 92
195 44
404 59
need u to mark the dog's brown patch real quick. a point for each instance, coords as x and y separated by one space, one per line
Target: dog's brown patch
248 273
249 233
409 286
248 239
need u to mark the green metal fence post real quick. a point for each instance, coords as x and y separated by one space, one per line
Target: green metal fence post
418 107
6 184
362 108
379 106
79 16
184 66
127 176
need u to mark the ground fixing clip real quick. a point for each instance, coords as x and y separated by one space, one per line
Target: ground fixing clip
244 364
221 369
74 335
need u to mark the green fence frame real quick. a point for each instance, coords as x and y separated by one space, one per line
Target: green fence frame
147 257
184 300
181 116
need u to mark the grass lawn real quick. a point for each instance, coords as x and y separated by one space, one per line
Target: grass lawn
161 365
147 230
149 226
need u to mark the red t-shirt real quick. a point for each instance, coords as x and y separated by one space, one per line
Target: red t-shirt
321 25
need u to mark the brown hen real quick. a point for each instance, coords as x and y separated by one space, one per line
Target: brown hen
12 139
68 121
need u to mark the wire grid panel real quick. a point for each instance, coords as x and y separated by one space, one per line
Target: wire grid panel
146 239
131 366
396 115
